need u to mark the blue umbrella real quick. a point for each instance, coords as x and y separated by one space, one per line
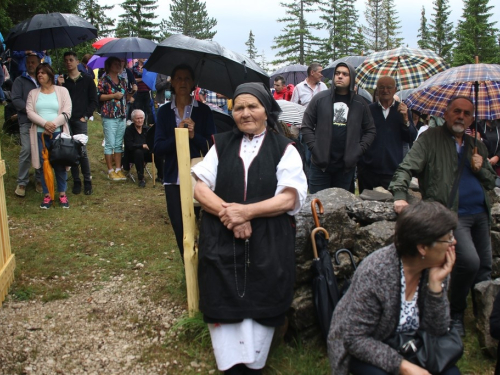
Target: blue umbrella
149 78
293 74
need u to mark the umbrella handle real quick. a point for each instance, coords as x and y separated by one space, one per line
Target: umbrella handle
315 202
338 252
313 239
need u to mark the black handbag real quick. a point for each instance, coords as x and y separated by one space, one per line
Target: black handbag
434 353
65 151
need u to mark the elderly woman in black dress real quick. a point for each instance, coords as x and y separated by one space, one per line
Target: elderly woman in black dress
250 185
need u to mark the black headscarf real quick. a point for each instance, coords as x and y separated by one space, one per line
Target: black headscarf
265 98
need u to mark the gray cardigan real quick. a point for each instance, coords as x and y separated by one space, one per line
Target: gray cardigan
369 313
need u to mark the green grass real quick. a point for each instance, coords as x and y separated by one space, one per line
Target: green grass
106 235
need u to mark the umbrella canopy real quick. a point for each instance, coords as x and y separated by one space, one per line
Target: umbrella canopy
50 31
410 67
292 113
433 95
354 61
128 48
293 74
102 42
403 94
223 122
149 78
365 94
216 68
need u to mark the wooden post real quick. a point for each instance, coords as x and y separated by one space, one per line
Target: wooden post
7 259
476 60
188 218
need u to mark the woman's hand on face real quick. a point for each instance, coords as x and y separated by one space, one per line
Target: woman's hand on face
233 214
439 273
243 231
408 368
188 123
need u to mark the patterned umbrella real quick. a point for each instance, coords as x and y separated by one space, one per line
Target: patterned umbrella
292 113
433 95
408 66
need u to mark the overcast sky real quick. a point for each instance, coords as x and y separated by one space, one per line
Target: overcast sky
235 19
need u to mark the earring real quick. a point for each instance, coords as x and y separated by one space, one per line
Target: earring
423 257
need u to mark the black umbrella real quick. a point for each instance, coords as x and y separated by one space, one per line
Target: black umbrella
293 74
216 68
354 61
223 122
128 48
325 288
50 31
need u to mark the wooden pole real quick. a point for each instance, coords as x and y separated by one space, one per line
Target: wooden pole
188 219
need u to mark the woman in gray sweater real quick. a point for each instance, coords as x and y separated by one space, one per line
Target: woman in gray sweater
390 288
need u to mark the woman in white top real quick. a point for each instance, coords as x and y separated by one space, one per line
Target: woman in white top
250 185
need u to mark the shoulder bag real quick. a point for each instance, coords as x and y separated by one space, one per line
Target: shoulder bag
65 151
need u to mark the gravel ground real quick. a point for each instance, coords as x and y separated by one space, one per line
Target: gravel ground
102 328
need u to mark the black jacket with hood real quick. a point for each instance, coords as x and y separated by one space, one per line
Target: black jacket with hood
318 122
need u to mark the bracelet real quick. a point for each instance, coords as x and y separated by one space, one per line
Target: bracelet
435 294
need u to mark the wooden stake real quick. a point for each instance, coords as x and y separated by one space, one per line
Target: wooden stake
476 59
188 219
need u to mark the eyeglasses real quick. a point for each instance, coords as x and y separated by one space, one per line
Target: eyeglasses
449 242
345 74
385 87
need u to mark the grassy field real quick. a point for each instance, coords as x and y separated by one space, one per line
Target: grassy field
112 230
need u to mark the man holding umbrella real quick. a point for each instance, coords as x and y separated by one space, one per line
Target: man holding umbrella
451 172
83 93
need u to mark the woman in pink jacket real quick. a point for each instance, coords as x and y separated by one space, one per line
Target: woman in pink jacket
45 107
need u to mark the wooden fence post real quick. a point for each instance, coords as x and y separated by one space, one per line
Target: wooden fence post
188 219
7 259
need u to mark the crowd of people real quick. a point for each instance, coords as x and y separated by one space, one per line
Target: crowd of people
253 180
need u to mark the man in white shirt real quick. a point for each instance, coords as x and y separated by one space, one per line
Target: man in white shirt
305 90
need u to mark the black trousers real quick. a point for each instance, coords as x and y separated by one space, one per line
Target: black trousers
370 180
143 101
241 369
139 157
80 127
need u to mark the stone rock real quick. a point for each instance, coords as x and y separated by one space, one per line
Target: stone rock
414 184
495 216
370 211
302 313
495 243
335 220
373 237
495 268
374 195
494 195
486 292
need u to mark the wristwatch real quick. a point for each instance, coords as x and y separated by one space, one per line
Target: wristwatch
86 118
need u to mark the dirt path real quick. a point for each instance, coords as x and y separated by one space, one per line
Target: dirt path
107 327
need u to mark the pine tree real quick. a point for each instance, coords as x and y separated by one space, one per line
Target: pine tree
341 20
391 26
190 18
138 19
263 62
374 32
96 15
441 30
476 35
423 32
297 40
251 49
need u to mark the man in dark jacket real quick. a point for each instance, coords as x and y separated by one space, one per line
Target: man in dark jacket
83 93
378 164
20 90
435 159
338 128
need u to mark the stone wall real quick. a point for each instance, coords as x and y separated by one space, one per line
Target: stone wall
361 226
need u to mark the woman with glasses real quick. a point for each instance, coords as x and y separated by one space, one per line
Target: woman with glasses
45 107
399 288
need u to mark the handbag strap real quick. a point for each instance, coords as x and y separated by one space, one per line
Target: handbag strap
454 188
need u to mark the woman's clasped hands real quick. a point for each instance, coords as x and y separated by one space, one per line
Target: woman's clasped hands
234 217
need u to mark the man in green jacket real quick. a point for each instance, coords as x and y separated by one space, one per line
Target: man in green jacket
435 160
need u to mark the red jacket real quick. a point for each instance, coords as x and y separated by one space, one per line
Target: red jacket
285 94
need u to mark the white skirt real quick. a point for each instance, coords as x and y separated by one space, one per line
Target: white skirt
247 342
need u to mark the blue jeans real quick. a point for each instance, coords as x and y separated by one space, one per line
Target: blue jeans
357 367
59 170
473 263
339 178
114 130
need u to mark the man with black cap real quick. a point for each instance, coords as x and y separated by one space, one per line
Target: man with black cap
338 128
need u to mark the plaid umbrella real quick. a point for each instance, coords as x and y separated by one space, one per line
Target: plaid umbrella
408 66
433 95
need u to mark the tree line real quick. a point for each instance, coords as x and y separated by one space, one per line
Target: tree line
298 41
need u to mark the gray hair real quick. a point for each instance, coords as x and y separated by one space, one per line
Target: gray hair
136 112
